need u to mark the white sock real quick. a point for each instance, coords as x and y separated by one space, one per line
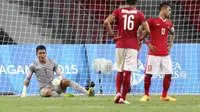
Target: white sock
78 87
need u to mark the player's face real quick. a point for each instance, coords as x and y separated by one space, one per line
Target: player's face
41 54
167 12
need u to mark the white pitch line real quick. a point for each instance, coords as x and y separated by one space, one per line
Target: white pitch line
117 106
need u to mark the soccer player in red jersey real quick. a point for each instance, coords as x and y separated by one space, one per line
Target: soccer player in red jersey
158 59
128 20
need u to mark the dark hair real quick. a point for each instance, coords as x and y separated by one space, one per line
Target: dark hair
131 2
40 47
164 4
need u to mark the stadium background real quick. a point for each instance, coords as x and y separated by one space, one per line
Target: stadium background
74 35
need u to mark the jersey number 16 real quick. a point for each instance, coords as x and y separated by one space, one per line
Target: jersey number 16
128 22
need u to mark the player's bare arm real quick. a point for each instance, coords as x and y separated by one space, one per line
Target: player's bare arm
59 74
27 80
140 30
26 83
143 33
146 31
107 23
172 35
150 46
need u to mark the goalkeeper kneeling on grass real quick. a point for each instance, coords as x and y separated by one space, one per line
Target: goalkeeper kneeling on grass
49 86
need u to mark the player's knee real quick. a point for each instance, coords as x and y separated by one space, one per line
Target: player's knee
65 83
46 92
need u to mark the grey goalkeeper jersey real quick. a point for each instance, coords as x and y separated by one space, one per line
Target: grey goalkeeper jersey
44 72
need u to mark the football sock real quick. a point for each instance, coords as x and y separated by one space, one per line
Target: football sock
119 80
147 83
126 83
78 87
166 84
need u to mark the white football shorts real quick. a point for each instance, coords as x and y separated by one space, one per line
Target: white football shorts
158 65
126 59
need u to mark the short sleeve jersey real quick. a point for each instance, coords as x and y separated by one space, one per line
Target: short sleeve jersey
159 35
44 72
128 21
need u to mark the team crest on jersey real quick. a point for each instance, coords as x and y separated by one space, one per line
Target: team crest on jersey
149 67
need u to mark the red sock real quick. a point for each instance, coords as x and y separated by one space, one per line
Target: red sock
126 83
166 84
119 80
147 83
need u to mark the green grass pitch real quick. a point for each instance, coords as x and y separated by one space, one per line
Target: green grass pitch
96 104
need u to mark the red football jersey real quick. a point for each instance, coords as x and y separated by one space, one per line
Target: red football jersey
128 20
159 35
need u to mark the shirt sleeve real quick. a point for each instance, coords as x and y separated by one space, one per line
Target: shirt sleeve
115 12
142 17
31 70
56 69
150 21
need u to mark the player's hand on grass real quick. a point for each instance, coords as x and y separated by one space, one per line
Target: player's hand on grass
23 95
152 48
169 47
